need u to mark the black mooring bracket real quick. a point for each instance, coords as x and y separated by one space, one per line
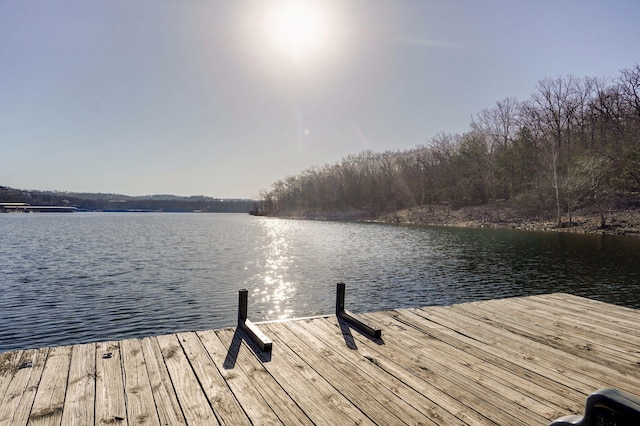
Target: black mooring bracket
347 316
259 338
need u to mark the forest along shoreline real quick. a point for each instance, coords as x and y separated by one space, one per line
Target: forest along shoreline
565 159
617 222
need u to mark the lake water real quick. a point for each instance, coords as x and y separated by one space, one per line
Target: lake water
81 277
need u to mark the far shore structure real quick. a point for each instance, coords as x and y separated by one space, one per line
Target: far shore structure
28 208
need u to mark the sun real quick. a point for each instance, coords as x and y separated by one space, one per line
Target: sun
297 29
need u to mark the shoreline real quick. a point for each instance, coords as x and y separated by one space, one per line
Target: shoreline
625 222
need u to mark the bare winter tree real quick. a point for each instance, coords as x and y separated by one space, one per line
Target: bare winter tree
498 127
555 102
630 85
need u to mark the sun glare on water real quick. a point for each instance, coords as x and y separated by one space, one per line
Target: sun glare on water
297 29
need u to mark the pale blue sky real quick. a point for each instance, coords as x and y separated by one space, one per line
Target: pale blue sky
191 97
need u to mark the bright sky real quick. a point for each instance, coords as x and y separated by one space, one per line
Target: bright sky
224 97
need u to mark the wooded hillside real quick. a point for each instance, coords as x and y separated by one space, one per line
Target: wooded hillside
574 143
117 202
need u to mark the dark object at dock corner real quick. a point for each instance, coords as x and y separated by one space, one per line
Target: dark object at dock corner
258 337
347 316
606 407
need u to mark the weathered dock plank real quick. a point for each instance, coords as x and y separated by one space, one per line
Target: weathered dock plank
225 406
49 401
529 380
24 378
360 392
402 401
137 388
606 344
79 402
9 362
241 359
507 335
242 387
424 361
590 322
167 406
490 381
579 305
193 401
514 361
323 403
439 404
577 359
110 398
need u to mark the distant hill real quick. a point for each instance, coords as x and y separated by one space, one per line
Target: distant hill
119 202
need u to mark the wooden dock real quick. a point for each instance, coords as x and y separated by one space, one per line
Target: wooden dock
513 361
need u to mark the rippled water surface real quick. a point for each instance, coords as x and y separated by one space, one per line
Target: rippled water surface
80 277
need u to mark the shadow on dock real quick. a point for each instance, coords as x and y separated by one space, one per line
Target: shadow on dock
234 349
346 327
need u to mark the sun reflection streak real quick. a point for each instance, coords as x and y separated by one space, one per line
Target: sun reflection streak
275 289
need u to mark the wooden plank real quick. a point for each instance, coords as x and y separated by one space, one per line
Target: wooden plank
515 371
534 400
407 403
221 398
194 403
331 359
320 401
244 389
167 406
619 345
9 363
585 322
79 403
49 400
615 312
608 315
555 329
110 402
360 392
439 370
240 359
137 390
520 372
497 331
592 357
21 391
494 333
434 360
443 401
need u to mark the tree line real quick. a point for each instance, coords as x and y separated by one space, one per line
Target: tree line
115 202
573 143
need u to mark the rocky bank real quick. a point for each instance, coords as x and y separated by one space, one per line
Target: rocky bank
618 222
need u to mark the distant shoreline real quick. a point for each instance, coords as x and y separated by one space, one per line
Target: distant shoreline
17 199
